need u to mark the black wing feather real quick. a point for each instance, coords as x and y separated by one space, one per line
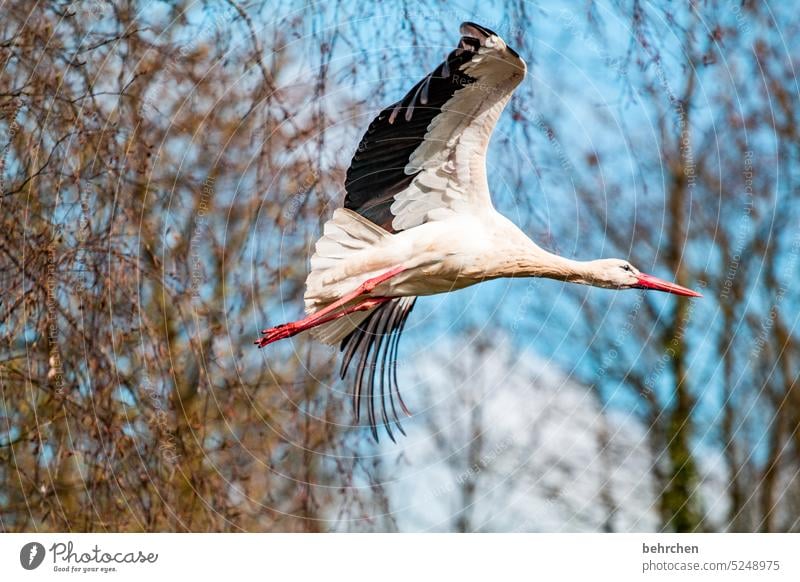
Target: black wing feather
377 171
376 340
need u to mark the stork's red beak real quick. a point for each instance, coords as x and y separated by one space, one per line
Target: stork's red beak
650 282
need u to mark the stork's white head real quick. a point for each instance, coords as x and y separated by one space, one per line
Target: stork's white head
620 274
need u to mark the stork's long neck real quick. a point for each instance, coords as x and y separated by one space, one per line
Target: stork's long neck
544 264
519 256
540 264
526 259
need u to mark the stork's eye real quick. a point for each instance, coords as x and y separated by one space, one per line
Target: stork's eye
627 268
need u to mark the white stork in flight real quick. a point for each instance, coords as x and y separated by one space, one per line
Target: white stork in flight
418 219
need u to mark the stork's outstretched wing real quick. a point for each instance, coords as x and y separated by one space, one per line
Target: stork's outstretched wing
426 153
422 158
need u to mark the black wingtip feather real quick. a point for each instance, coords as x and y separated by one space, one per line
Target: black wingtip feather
473 30
377 339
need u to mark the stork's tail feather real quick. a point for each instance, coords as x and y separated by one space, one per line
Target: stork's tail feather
344 234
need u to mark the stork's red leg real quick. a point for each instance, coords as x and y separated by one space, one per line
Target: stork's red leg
290 329
327 314
365 287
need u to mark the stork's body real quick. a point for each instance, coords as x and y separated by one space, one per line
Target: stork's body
419 220
436 258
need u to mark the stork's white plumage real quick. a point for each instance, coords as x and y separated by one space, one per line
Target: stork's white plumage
418 220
